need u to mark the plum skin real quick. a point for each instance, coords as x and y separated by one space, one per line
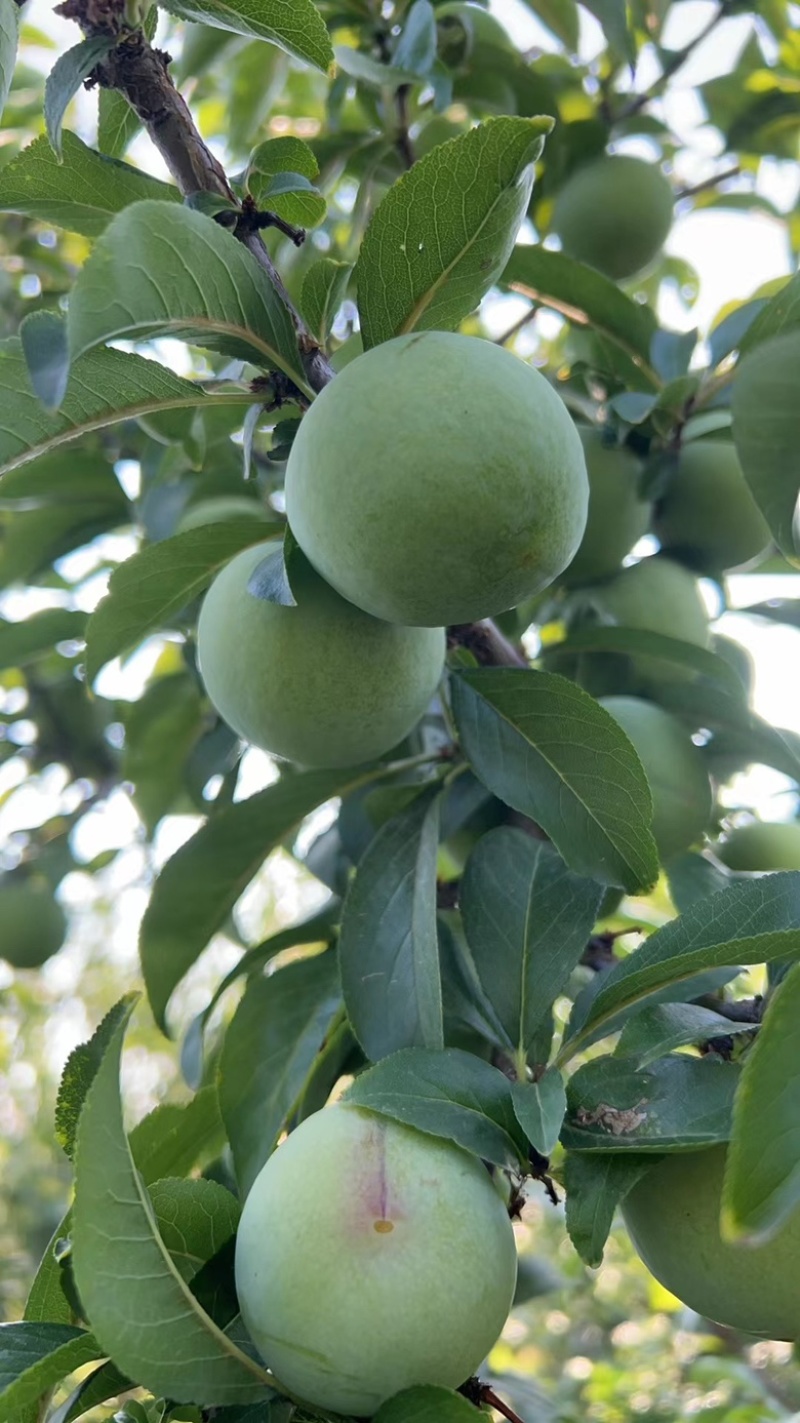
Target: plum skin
322 683
33 925
672 1216
708 518
370 1257
614 213
437 480
764 845
618 515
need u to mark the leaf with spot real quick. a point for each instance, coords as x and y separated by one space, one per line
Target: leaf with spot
676 1103
444 232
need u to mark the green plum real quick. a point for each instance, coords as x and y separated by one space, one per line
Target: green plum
618 515
674 768
371 1257
321 683
438 479
708 518
481 27
761 846
614 213
32 923
673 1218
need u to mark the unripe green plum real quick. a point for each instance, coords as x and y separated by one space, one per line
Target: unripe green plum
708 518
618 515
614 213
761 846
218 510
321 683
32 924
658 595
481 27
371 1257
438 479
674 768
672 1216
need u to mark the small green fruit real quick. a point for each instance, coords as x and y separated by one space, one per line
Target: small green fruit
481 27
320 683
672 1216
761 846
657 595
438 479
32 924
618 515
614 213
219 509
371 1257
674 768
708 518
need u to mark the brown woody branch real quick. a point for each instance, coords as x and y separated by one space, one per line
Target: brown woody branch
487 644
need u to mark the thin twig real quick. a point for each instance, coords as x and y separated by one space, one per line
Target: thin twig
403 140
518 325
488 645
676 62
709 182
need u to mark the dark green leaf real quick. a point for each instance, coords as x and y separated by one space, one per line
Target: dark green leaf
80 1071
635 642
595 1184
269 1050
323 292
692 877
748 923
36 1357
82 193
612 17
676 1103
294 25
450 1094
152 1327
24 641
155 585
445 230
540 1108
560 17
195 1219
426 1404
103 1384
585 297
762 1173
66 78
549 750
43 336
47 1302
160 731
654 1032
104 386
174 1139
199 886
117 123
235 309
388 946
766 431
527 919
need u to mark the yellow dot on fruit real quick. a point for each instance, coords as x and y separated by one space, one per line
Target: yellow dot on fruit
383 1227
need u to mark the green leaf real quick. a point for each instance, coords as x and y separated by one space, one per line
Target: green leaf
160 731
195 1219
427 1404
654 1032
82 193
323 292
560 17
117 123
145 1316
595 1185
24 641
235 308
549 750
359 65
527 919
670 651
294 198
613 19
676 1103
296 26
416 48
451 1094
750 922
105 1383
762 1172
173 1139
278 178
155 585
777 317
540 1108
586 298
80 1071
766 432
388 946
43 336
36 1357
444 232
199 886
692 877
269 1050
66 78
105 386
47 1302
9 39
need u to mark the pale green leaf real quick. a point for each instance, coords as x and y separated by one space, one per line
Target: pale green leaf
9 38
323 292
66 78
540 1108
296 26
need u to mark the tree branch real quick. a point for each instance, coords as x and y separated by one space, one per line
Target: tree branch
676 62
707 183
487 643
141 74
403 141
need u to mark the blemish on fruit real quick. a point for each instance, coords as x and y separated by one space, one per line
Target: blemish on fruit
383 1227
